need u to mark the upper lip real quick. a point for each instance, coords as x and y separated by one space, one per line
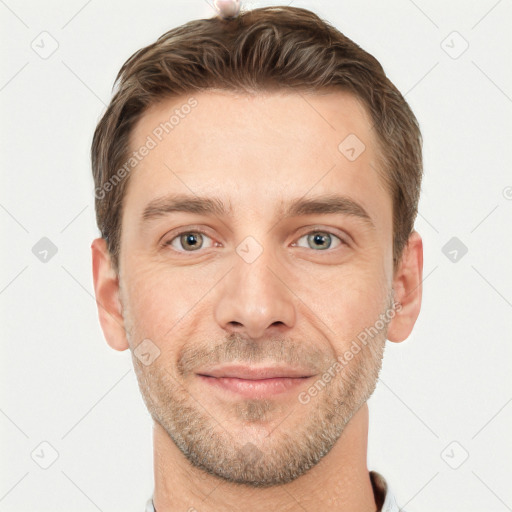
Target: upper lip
254 372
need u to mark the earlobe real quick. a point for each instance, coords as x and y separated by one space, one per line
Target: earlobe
106 289
407 284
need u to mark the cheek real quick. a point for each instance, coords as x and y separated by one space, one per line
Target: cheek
351 302
159 299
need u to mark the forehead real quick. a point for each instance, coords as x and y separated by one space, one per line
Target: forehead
256 150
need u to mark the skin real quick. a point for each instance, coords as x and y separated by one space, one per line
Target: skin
297 303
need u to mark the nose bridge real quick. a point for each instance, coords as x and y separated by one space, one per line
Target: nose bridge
253 297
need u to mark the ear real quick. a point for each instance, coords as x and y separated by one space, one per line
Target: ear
106 288
408 289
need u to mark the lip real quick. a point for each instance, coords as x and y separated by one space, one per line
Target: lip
254 388
254 382
254 372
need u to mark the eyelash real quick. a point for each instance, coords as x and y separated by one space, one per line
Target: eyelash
203 232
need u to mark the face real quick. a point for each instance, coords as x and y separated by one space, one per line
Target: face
257 282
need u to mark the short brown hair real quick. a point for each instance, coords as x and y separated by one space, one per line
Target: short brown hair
263 49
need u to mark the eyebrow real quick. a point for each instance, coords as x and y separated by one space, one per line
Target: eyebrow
214 206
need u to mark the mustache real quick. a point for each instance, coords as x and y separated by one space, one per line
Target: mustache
242 350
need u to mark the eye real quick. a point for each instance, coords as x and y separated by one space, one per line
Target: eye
193 241
321 240
190 241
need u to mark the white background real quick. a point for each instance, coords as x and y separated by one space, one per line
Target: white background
62 384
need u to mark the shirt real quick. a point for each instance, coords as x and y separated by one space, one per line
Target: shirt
381 491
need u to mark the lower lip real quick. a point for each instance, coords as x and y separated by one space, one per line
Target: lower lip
255 388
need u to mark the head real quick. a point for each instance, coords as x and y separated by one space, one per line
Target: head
280 151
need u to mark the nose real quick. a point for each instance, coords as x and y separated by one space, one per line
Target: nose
254 298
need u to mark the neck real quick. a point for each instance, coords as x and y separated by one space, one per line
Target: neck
339 482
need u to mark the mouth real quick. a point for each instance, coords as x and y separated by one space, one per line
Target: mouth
254 382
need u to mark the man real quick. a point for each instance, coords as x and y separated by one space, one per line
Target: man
278 149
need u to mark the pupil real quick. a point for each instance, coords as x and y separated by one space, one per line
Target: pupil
191 240
320 239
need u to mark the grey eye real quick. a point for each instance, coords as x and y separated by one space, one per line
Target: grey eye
321 240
